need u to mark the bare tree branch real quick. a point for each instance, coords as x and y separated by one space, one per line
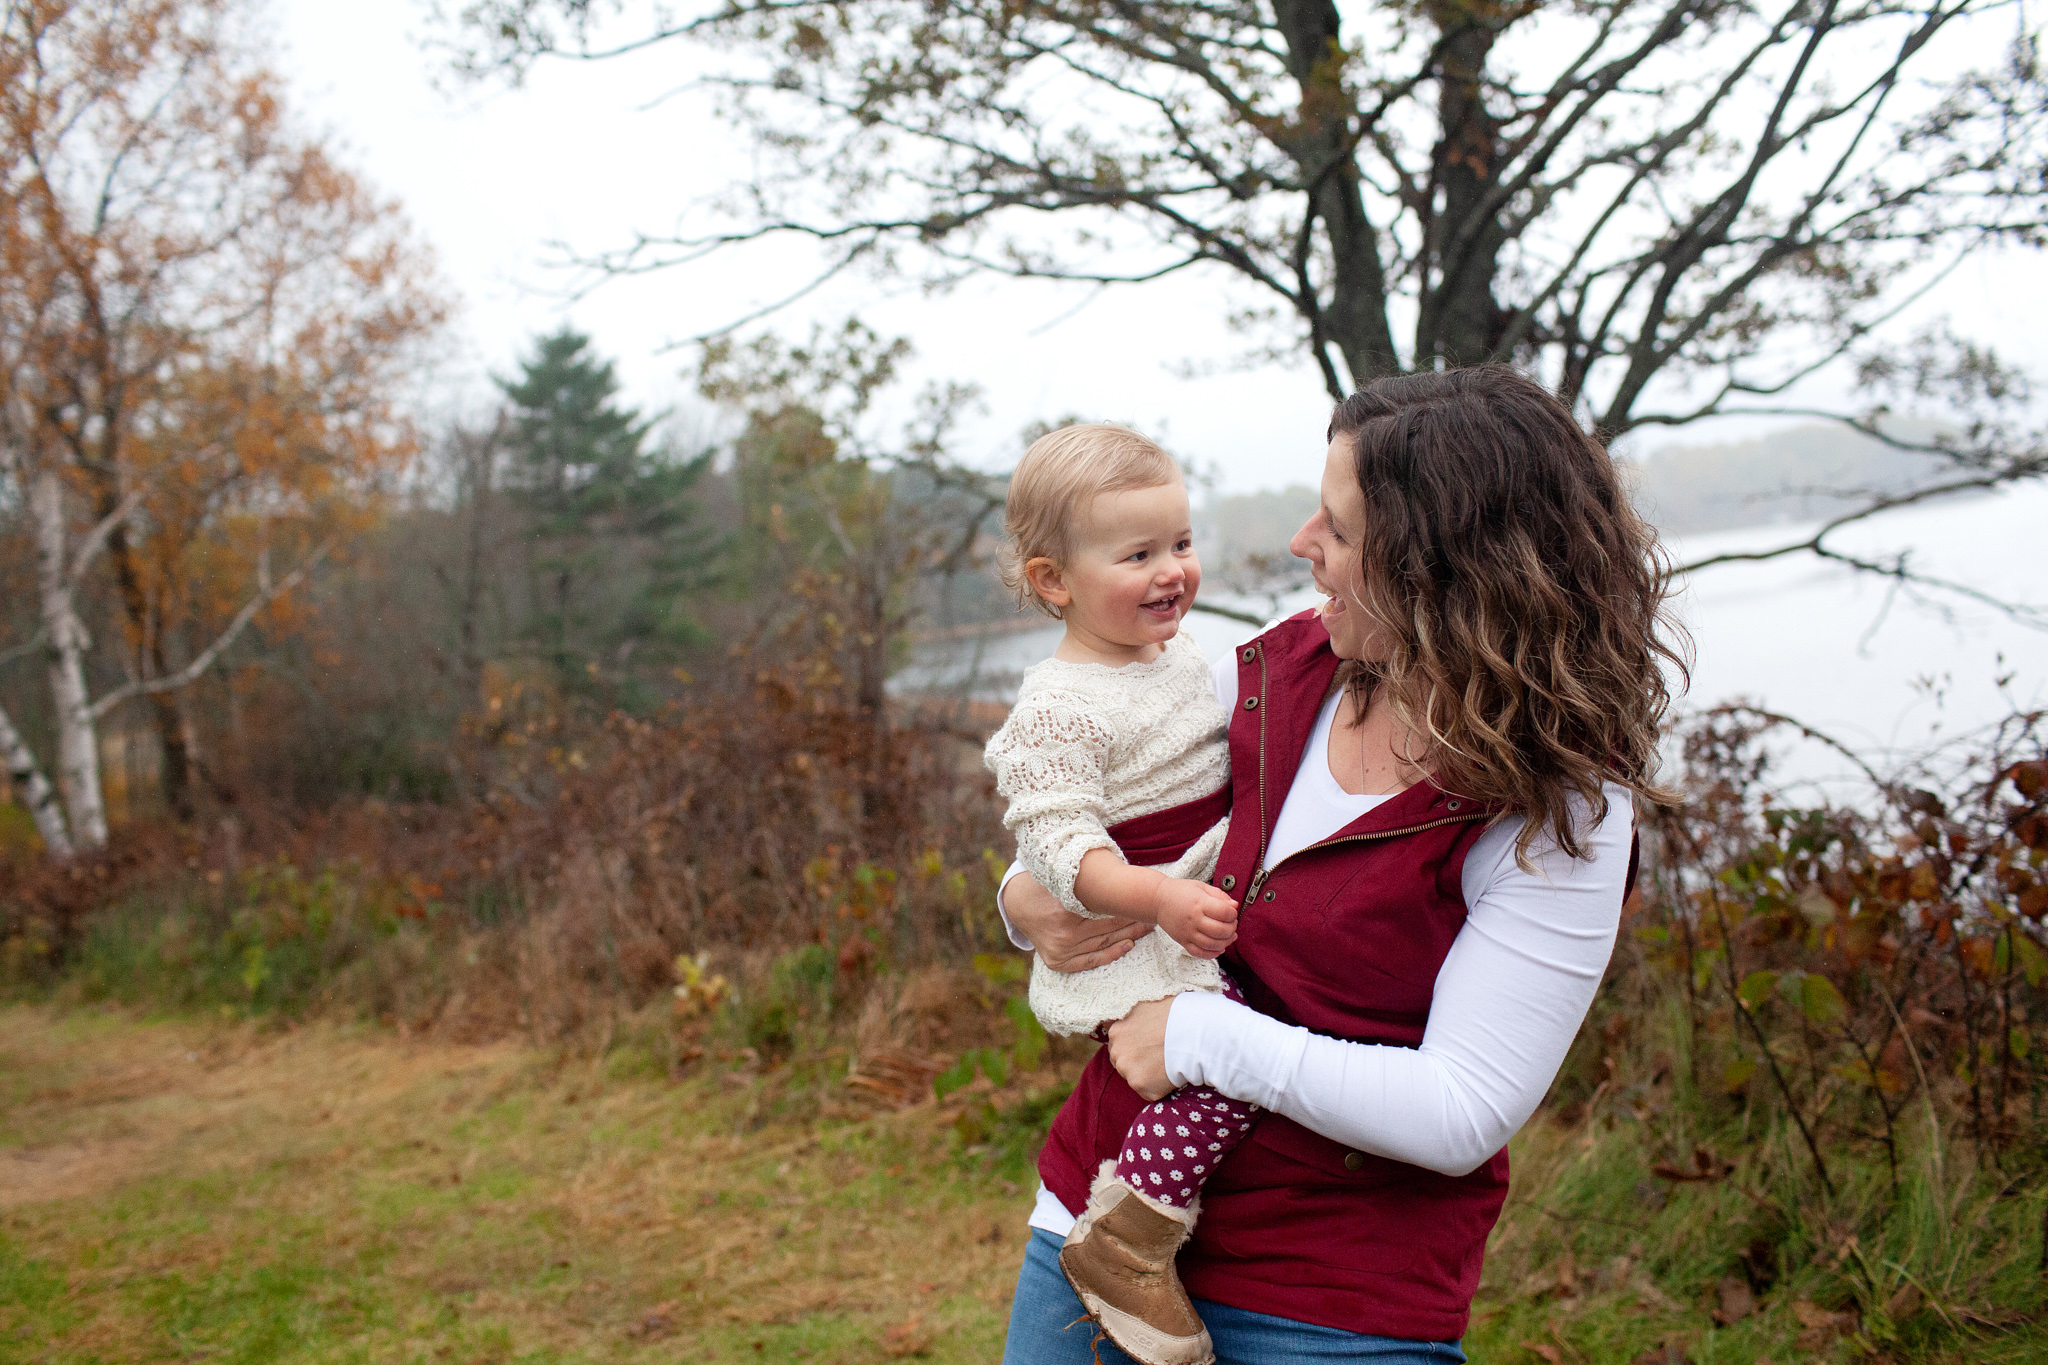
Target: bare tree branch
268 592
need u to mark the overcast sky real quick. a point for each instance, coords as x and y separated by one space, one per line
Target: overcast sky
585 155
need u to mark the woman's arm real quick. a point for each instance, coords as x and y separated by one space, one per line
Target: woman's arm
1509 999
1063 940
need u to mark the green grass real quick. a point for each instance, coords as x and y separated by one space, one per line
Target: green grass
1598 1258
181 1190
329 1195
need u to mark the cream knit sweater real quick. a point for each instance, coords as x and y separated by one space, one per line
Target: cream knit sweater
1088 746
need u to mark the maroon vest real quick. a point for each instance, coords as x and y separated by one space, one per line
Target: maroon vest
1344 938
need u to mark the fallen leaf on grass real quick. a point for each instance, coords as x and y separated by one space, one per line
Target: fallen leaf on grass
1737 1302
1567 1274
1705 1166
1547 1351
1670 1353
1820 1325
907 1338
659 1322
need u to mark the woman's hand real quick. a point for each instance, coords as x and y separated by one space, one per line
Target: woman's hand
1137 1048
1065 941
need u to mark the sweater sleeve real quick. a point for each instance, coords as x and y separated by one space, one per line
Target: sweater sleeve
1049 759
1508 1001
1223 676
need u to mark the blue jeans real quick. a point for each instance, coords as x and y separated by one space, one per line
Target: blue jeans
1047 1327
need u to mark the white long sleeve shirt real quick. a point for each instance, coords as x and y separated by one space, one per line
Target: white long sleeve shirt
1510 997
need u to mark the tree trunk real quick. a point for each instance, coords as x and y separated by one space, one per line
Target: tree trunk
78 750
34 789
1356 318
1458 320
479 455
175 777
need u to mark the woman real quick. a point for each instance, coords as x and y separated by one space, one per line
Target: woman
1433 782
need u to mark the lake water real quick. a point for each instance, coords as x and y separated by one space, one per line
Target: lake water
1887 672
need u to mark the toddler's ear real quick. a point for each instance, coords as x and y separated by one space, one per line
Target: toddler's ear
1047 582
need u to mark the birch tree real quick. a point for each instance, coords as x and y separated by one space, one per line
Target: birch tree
203 322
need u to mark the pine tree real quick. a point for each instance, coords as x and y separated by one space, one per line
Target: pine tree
610 515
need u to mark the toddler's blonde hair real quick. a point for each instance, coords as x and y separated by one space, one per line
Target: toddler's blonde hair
1060 471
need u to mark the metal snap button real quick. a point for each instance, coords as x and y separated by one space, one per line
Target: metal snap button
1354 1161
1251 703
1269 895
1229 882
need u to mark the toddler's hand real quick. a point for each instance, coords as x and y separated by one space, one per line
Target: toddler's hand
1196 915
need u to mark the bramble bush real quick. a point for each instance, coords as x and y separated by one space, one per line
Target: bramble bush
1807 1104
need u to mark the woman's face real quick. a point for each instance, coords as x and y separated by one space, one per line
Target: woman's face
1329 542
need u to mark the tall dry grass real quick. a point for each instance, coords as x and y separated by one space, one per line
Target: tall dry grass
559 898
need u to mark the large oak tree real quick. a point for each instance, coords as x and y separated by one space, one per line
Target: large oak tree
1670 209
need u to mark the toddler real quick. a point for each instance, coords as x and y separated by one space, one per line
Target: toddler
1122 723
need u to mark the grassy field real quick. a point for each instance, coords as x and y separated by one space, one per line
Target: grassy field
173 1191
195 1190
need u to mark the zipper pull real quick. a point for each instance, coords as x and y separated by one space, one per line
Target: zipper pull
1251 893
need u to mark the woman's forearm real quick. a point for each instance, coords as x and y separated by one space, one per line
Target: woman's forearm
1508 1001
1065 942
1430 1107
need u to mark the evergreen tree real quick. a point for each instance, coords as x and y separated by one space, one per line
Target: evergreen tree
614 556
572 445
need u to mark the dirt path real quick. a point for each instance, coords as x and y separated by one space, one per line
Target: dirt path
90 1102
171 1189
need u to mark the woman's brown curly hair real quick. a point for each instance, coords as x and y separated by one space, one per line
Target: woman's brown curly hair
1520 594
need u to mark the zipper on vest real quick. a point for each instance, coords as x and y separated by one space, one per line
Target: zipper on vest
1370 835
1259 877
1265 828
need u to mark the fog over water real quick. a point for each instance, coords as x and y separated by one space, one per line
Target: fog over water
1888 673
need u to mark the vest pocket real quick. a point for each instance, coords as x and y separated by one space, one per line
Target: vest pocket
1357 1170
1288 1194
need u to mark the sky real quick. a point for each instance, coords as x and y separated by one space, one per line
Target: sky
502 182
505 183
494 179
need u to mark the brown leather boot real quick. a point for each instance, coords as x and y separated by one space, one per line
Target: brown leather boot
1119 1259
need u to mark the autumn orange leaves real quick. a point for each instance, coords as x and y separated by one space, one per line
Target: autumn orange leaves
204 321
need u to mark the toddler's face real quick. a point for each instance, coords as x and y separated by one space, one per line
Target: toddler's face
1134 571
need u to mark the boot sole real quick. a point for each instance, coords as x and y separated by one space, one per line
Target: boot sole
1134 1336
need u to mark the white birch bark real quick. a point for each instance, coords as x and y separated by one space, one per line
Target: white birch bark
33 788
78 756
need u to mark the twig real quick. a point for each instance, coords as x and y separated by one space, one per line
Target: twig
26 647
267 593
1926 1093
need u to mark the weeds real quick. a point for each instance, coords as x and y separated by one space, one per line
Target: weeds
554 905
1803 1119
